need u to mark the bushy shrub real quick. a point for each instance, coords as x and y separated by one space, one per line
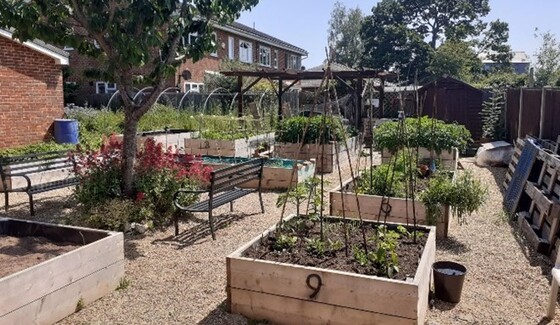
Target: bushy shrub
35 148
99 173
319 129
464 196
387 179
113 214
425 132
159 173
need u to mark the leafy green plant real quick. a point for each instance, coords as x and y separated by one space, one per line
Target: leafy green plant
492 114
464 196
296 195
375 181
35 148
316 246
319 130
425 132
284 242
124 283
114 214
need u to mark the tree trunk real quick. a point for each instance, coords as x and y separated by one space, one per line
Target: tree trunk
129 149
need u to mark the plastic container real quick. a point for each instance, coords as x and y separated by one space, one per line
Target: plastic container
448 280
66 131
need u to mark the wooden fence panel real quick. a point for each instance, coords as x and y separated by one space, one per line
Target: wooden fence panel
551 116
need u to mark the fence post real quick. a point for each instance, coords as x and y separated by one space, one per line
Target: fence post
520 113
543 107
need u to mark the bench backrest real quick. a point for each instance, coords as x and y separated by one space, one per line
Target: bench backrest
39 167
226 178
36 162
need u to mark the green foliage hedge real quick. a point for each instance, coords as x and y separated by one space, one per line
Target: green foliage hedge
34 148
291 130
425 132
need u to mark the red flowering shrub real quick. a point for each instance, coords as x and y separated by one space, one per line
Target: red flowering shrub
99 173
159 173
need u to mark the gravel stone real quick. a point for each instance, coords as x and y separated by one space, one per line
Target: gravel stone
181 280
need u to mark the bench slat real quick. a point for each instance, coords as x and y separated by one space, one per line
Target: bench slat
219 200
44 187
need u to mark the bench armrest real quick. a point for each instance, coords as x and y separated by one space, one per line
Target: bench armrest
18 175
176 196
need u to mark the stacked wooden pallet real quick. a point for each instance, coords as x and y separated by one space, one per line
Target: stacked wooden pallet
541 221
519 144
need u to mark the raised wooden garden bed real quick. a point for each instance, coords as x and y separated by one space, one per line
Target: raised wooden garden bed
172 137
227 148
314 151
370 204
283 293
49 291
449 159
277 173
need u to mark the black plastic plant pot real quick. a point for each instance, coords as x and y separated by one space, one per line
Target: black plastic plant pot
448 280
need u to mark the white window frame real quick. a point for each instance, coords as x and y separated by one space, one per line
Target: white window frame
265 56
231 48
245 51
189 39
293 62
193 86
108 87
275 59
215 53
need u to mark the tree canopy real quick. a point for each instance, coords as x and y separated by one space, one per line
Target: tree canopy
547 64
405 35
345 44
132 39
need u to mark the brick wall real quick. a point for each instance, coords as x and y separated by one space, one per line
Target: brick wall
31 95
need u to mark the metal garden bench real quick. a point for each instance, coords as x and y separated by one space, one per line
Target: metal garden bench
42 172
223 189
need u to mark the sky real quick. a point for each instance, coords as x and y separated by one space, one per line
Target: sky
304 23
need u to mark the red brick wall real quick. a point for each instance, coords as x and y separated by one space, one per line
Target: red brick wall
31 94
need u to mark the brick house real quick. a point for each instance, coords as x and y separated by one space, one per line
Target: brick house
31 95
234 42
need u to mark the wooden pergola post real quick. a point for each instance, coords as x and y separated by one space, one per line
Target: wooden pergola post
359 89
381 98
279 94
239 96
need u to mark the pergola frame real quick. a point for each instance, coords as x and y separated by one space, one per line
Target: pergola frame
295 76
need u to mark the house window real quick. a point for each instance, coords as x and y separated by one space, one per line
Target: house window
293 62
190 39
264 55
193 86
215 43
275 59
103 87
245 51
231 48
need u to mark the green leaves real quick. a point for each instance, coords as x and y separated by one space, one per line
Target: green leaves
319 129
429 133
403 34
464 196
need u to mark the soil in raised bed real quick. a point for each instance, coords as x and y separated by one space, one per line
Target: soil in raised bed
19 253
300 252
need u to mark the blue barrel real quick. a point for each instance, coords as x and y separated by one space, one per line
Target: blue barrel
66 131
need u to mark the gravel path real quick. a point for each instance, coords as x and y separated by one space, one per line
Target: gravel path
181 280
